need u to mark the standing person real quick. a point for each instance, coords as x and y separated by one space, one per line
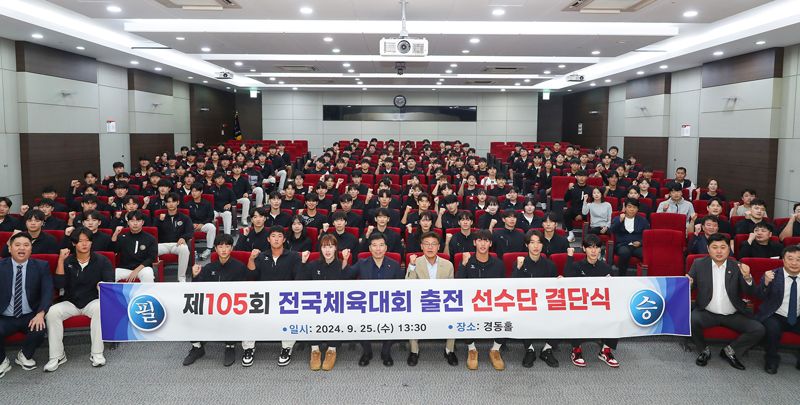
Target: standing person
628 229
225 269
778 311
376 267
277 264
535 265
591 266
328 267
137 251
26 293
482 265
430 266
720 282
78 275
175 232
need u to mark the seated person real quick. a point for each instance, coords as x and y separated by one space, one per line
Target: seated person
448 215
756 214
224 201
792 228
175 232
136 251
492 214
553 242
311 217
760 244
416 232
392 238
675 203
275 216
345 240
51 223
101 242
346 207
507 238
8 223
202 215
628 230
706 227
527 219
41 242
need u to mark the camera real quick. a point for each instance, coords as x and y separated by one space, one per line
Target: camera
400 67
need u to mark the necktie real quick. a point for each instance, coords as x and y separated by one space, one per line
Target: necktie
18 293
791 317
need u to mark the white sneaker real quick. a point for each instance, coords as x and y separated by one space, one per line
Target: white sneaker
98 360
5 367
24 362
52 364
571 237
205 255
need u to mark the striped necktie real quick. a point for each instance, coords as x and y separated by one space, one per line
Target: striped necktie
18 292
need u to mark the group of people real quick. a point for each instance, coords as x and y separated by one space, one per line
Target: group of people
458 203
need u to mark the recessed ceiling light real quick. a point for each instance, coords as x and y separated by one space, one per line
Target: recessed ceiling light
157 69
690 14
364 88
327 39
134 62
527 80
562 66
336 50
569 90
228 87
294 88
502 89
498 12
719 53
205 81
592 84
351 70
761 42
433 89
454 65
80 48
663 67
595 52
607 80
448 71
37 36
190 77
346 64
252 70
357 79
205 49
306 10
114 9
465 51
641 72
180 38
359 83
474 40
238 63
272 79
517 84
281 82
547 72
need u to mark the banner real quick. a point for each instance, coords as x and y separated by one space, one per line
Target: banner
605 307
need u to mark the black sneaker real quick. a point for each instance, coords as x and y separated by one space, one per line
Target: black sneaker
230 356
194 354
548 358
530 357
286 357
248 357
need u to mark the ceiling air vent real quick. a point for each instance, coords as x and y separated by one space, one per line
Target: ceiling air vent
297 68
502 69
607 6
480 82
200 5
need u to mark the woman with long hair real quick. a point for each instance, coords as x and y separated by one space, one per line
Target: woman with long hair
296 238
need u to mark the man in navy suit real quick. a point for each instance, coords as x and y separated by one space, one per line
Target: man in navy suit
376 267
628 231
779 309
26 292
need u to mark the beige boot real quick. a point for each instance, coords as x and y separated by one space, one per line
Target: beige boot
330 360
316 360
472 360
497 361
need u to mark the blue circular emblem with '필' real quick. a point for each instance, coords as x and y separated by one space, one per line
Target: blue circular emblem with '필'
146 313
647 307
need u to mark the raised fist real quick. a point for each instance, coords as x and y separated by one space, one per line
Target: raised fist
304 256
412 259
254 254
196 269
768 277
345 254
117 230
520 261
23 209
246 231
162 217
570 251
465 258
72 214
325 227
63 254
369 231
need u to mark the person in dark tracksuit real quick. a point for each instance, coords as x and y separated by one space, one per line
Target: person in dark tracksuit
226 268
328 267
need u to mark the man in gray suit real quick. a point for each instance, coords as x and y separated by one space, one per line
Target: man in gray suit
720 282
430 267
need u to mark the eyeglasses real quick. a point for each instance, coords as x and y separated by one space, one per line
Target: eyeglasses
430 244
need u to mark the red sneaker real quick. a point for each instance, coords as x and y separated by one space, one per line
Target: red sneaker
577 357
608 357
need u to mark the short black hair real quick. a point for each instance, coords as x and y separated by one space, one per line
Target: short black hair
7 201
276 228
531 233
759 201
19 235
382 212
224 239
34 214
632 201
138 214
719 237
464 215
592 240
75 237
763 225
790 249
709 218
509 213
46 201
483 234
375 236
550 216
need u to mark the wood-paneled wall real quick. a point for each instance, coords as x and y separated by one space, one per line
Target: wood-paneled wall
249 115
150 145
589 108
35 58
55 159
738 164
649 86
649 151
209 109
149 82
550 117
743 68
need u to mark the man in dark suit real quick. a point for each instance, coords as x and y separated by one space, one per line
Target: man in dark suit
376 267
26 292
628 231
779 309
720 282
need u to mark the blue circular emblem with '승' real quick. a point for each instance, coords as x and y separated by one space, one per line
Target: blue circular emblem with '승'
146 313
647 307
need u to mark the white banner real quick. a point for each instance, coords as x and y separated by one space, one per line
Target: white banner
396 309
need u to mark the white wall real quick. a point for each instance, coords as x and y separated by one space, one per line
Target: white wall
509 116
112 87
180 117
10 172
685 110
787 187
616 118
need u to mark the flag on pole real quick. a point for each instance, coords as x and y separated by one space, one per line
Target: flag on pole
237 129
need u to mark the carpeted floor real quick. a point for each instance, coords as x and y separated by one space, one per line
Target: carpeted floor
653 370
